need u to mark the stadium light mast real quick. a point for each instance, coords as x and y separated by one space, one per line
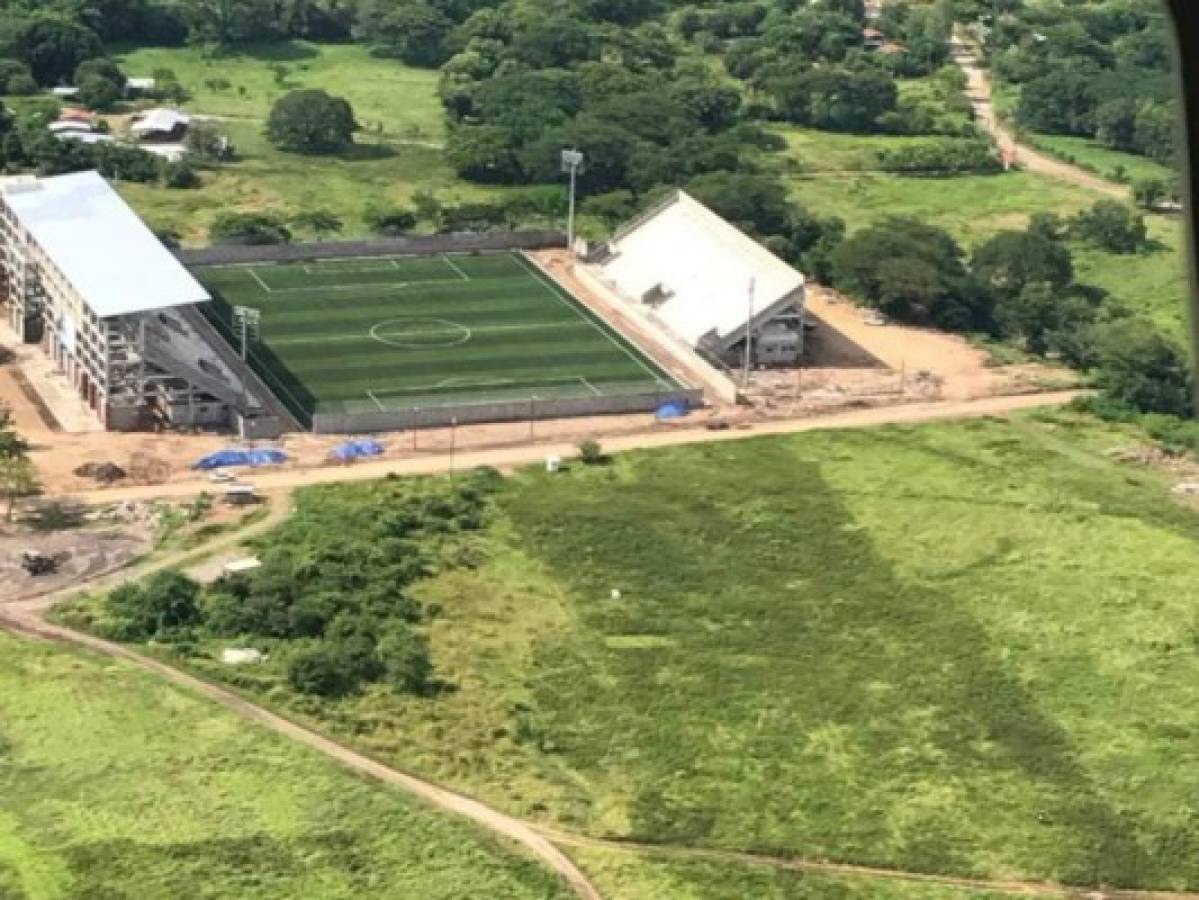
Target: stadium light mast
749 334
572 162
246 319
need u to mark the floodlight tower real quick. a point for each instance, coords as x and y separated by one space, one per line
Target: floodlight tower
572 162
749 333
246 321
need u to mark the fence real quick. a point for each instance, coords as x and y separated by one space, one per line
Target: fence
502 411
405 246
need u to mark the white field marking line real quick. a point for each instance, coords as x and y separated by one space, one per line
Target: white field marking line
371 394
484 329
465 382
453 265
261 283
309 270
392 286
537 274
591 386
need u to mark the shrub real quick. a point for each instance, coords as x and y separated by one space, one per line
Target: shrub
320 672
942 157
390 222
591 453
165 604
250 228
1111 226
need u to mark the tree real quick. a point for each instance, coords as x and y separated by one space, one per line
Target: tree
1043 318
17 475
1111 226
51 44
414 32
98 93
250 228
405 658
160 607
1061 102
483 153
321 672
311 121
554 41
320 222
15 78
1150 192
1142 369
1012 261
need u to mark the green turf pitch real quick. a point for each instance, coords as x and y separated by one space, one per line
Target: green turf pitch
382 334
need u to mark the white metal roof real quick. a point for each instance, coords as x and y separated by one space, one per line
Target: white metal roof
165 120
703 265
99 244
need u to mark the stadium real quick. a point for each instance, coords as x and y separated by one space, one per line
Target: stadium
347 337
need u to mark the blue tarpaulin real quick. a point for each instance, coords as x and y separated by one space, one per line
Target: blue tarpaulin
252 458
358 449
671 410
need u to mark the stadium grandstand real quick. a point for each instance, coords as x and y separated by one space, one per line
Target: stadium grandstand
706 283
81 275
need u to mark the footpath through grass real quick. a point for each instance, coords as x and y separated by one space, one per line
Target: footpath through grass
967 648
115 784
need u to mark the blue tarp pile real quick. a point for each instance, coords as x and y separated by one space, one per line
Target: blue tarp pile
673 410
358 449
251 458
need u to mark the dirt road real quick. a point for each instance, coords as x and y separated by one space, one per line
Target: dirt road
524 454
27 617
978 89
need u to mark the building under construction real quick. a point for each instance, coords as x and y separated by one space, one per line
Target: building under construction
82 275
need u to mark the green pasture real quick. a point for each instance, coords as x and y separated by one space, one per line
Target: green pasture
1103 161
398 150
965 648
396 333
116 784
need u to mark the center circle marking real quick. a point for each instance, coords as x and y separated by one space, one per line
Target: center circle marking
420 333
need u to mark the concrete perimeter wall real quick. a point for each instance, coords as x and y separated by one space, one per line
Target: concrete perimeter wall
415 245
507 411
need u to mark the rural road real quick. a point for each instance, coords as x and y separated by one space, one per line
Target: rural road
978 89
509 457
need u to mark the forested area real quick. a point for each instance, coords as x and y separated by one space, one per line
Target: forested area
1100 70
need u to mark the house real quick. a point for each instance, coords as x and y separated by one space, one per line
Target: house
138 87
872 38
160 125
65 92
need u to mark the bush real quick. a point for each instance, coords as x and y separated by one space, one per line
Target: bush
390 222
320 672
1142 369
160 608
591 453
256 229
1111 226
945 157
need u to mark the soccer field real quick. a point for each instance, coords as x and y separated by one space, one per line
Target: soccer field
401 333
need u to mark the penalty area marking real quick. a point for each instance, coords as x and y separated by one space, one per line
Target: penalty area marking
463 383
420 333
457 269
262 284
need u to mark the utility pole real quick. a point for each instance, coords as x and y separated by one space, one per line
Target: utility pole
572 162
749 334
453 432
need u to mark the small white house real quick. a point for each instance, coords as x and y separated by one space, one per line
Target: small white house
160 125
65 92
239 566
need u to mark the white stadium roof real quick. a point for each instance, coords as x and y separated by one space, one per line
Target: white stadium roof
702 266
100 246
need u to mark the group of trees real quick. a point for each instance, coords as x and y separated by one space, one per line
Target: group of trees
1098 70
1019 286
332 597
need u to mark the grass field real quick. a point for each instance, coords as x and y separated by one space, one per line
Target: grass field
962 648
372 335
399 146
113 784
